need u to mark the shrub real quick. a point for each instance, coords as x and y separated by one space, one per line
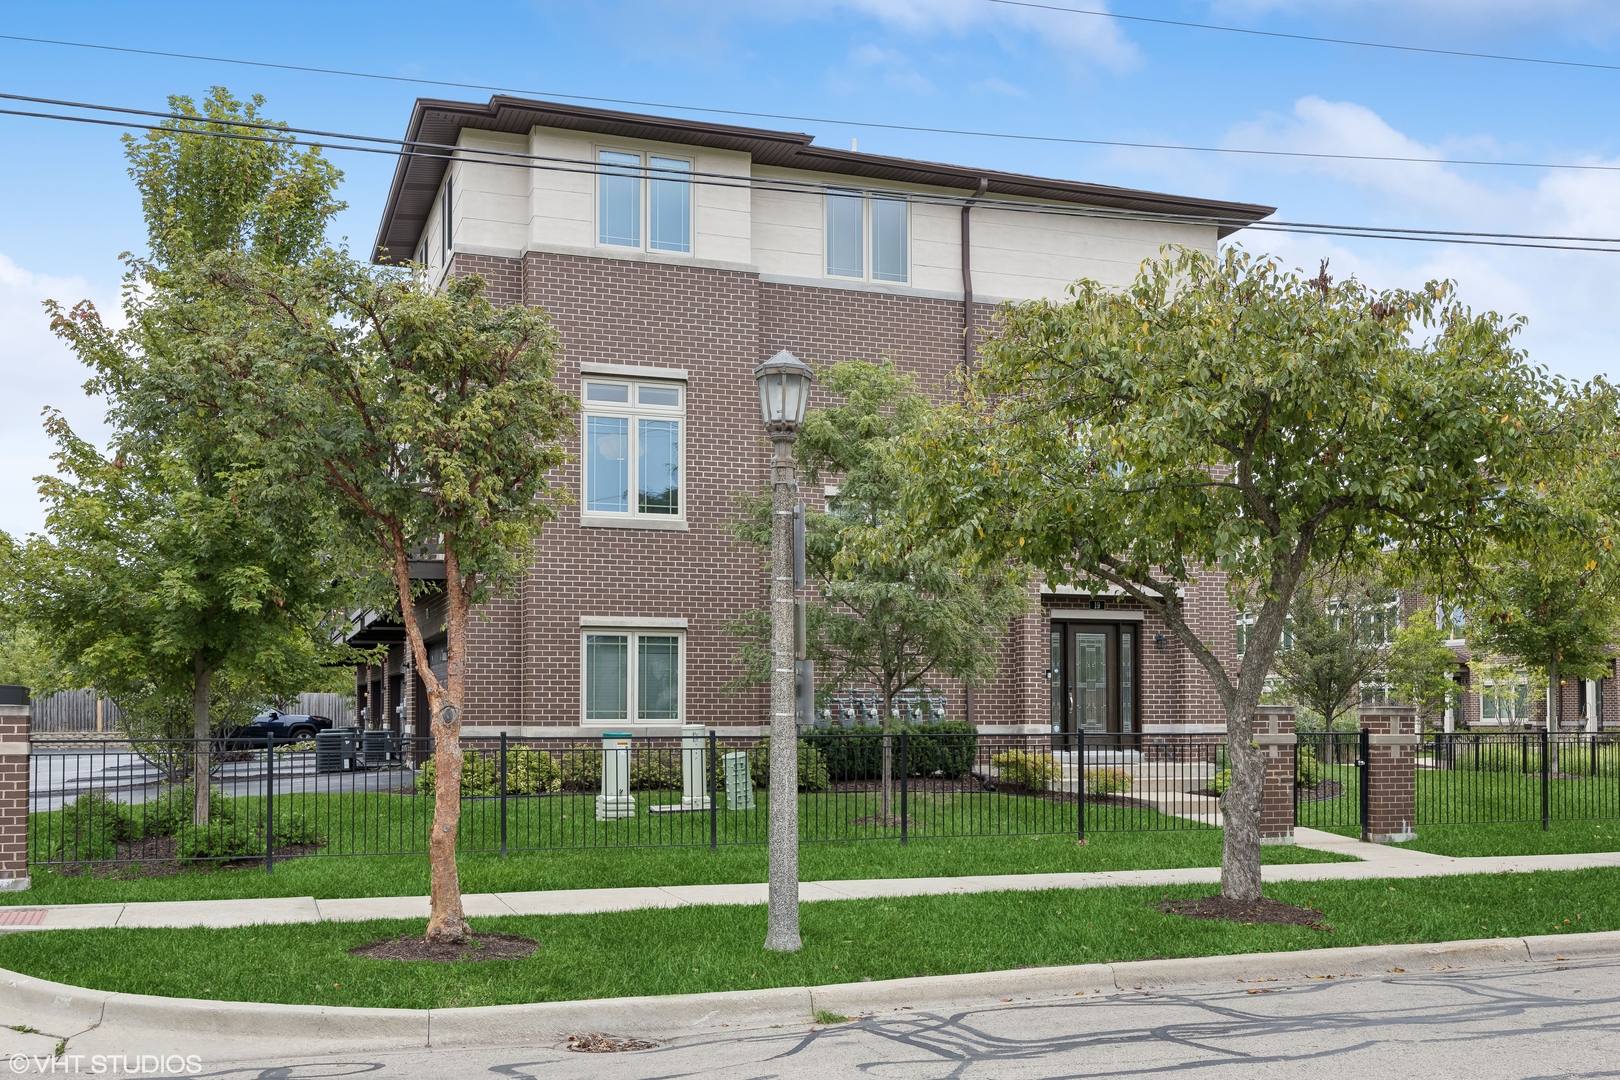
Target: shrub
307 746
947 747
90 827
655 769
528 772
1222 781
1108 781
1025 768
1307 769
581 767
221 840
812 766
295 828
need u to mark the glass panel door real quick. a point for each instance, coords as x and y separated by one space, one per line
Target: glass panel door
1091 681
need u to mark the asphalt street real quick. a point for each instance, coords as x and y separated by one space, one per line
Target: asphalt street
1510 1021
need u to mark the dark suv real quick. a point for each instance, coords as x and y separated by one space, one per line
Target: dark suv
282 727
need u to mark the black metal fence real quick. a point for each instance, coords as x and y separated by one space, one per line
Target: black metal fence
1523 776
359 793
1330 780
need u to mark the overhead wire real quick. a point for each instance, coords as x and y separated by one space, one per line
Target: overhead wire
389 147
1249 31
1062 140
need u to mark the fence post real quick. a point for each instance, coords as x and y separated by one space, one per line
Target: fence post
1364 767
1274 734
1389 742
904 821
1080 780
1546 763
269 803
714 811
503 794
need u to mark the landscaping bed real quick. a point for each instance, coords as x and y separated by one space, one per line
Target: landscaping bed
701 949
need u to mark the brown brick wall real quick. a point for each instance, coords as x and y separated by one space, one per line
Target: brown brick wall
1274 732
1391 773
14 732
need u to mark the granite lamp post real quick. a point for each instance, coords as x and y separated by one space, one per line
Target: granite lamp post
784 391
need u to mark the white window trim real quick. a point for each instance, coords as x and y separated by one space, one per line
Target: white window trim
632 518
645 199
636 628
867 198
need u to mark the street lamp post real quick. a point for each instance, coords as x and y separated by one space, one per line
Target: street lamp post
784 390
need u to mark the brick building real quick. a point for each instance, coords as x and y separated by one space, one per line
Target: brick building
673 257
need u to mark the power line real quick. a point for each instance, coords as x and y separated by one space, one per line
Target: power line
517 159
1060 140
1311 37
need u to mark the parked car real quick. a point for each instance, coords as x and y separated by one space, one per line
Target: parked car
282 727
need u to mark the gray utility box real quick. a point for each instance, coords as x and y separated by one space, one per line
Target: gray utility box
739 785
379 748
336 750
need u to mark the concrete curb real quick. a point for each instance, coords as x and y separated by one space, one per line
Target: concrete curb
158 1022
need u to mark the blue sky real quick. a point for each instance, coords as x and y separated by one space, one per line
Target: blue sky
70 209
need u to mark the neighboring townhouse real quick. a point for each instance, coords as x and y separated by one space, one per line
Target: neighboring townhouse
674 256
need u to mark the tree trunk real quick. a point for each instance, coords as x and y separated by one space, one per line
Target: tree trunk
447 920
1240 807
202 678
887 773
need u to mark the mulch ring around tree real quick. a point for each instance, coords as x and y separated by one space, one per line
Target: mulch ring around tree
476 947
1264 910
597 1043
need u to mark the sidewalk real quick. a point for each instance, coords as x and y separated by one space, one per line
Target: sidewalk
1374 861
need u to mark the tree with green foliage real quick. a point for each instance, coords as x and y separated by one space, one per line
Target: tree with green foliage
1420 666
429 421
1221 420
1335 646
896 617
179 557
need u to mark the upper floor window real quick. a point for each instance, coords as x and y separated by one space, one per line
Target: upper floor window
868 237
636 190
634 448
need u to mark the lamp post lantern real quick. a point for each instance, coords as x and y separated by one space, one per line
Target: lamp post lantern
784 391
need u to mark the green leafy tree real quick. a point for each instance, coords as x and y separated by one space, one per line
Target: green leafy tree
1420 665
180 556
1336 645
430 422
1222 420
895 617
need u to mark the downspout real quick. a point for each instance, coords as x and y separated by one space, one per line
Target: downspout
967 321
967 278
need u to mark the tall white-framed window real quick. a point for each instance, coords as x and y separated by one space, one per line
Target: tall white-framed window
633 676
868 237
1505 703
1452 621
1244 627
643 201
634 451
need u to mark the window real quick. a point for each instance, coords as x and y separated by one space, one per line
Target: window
623 201
634 449
1245 627
1505 703
857 224
1452 620
633 675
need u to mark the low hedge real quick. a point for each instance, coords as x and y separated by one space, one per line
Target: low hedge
946 748
812 766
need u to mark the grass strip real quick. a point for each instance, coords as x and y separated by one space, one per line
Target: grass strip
690 950
333 877
1519 838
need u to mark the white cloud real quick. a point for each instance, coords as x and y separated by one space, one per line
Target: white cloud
1583 15
38 371
993 85
1571 299
1085 38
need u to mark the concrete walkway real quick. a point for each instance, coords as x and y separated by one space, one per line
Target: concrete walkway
1373 861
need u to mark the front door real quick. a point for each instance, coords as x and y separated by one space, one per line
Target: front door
1093 676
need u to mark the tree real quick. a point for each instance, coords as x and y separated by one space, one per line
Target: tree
1224 420
1334 647
893 616
179 557
431 422
1420 665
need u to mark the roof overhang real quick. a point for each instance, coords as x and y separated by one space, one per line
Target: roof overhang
435 123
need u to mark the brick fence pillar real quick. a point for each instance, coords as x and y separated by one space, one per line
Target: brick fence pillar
1274 735
1392 740
14 727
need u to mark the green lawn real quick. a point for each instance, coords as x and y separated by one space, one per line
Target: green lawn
1517 838
406 875
719 948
